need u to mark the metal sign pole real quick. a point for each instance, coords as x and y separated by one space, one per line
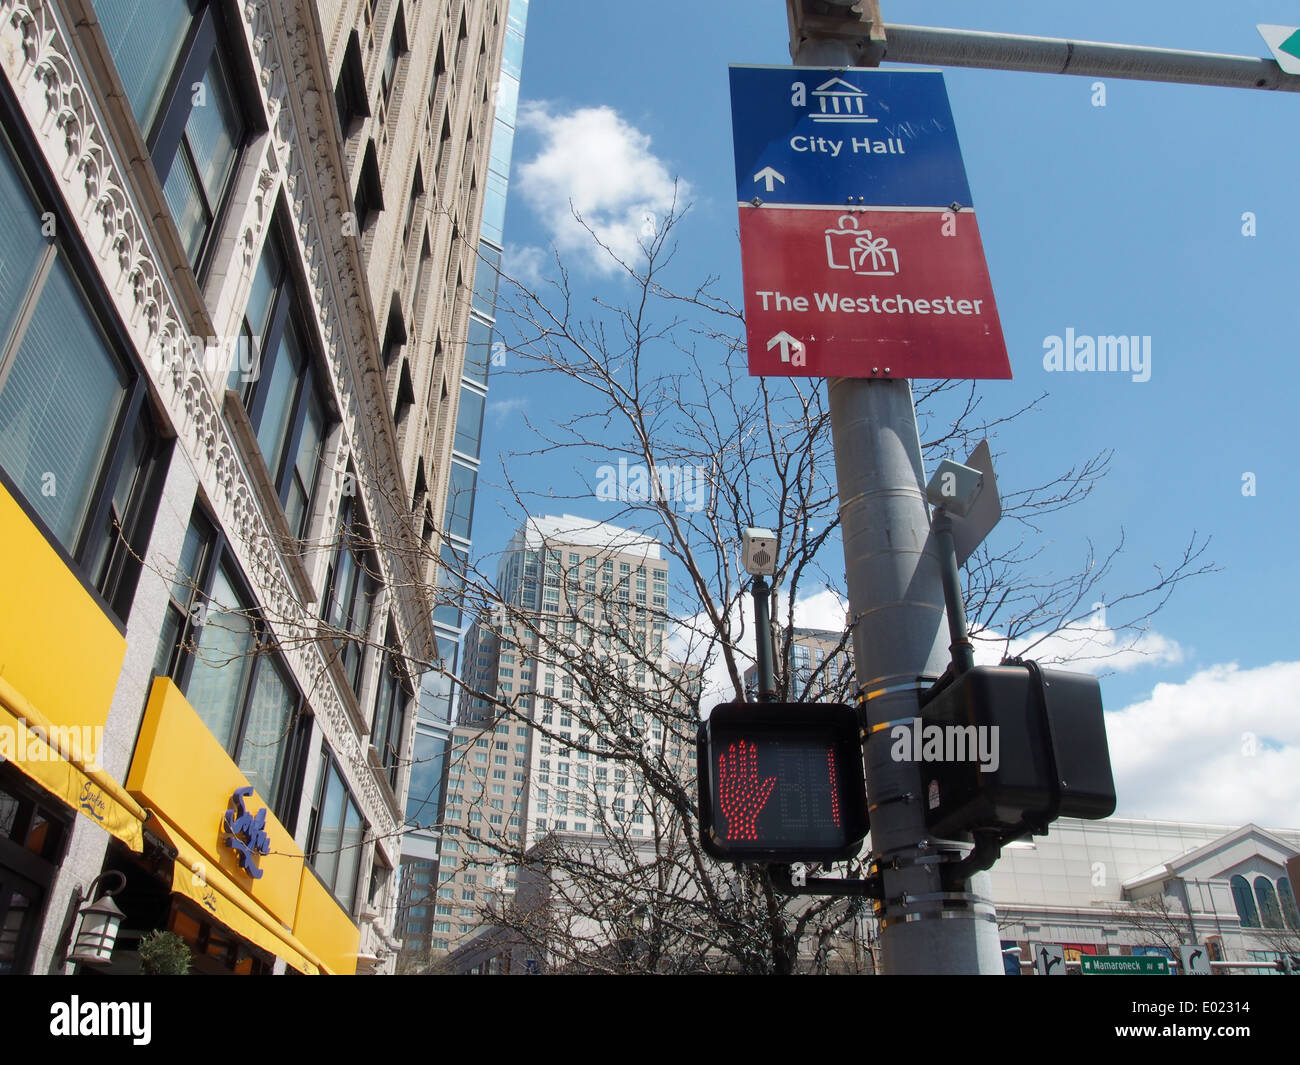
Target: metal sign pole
896 600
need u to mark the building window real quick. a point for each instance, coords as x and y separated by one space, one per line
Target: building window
335 834
469 422
460 500
218 650
76 439
145 38
390 709
352 584
1289 911
170 59
370 190
396 49
1269 913
285 399
1245 903
33 837
350 96
197 176
478 350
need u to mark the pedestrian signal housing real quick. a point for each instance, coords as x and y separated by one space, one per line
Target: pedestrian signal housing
781 782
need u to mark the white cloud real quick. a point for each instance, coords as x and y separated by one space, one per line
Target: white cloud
1086 647
1089 646
593 162
822 610
1222 747
525 263
499 410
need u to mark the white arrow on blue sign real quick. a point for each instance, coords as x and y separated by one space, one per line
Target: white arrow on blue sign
877 138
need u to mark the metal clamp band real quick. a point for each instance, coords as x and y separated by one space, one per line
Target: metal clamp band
880 726
942 915
890 689
951 905
940 846
962 898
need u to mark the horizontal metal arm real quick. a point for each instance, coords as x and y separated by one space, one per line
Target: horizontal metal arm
1053 55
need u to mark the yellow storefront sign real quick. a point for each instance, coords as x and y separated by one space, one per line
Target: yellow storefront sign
60 657
58 648
226 904
185 778
322 923
26 743
181 771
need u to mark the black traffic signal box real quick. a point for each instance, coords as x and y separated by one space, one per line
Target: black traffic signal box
1047 730
781 782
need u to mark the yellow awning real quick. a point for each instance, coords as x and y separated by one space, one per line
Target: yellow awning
65 768
223 901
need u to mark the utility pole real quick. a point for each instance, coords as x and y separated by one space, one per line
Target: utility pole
894 563
895 587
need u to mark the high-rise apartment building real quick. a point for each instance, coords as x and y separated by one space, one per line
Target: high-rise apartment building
236 284
581 599
420 844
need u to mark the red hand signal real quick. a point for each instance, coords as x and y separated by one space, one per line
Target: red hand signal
740 794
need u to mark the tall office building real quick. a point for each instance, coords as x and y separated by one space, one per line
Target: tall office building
583 598
420 844
235 291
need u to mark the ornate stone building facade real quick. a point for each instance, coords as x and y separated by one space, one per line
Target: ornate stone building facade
235 290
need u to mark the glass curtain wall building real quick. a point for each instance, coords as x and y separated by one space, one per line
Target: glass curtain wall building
420 845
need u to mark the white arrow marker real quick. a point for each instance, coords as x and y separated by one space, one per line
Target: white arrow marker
769 177
789 345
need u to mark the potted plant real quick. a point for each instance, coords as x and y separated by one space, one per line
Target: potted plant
164 954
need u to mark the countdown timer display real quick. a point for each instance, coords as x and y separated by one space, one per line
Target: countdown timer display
781 782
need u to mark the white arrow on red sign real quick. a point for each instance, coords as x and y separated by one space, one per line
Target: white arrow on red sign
789 346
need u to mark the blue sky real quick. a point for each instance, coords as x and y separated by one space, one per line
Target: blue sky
1122 219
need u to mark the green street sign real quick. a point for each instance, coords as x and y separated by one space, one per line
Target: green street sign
1284 43
1137 965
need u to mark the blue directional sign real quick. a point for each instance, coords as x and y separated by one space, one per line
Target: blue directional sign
866 137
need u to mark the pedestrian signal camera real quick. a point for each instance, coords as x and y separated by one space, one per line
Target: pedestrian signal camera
781 782
954 487
1003 751
759 552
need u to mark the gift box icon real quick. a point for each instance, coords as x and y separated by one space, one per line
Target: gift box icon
851 248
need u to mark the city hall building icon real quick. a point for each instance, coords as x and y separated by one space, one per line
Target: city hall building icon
851 248
838 101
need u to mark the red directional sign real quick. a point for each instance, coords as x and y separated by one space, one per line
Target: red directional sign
835 292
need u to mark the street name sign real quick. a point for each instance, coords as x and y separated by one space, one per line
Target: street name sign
870 136
1284 43
861 255
873 293
1137 965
